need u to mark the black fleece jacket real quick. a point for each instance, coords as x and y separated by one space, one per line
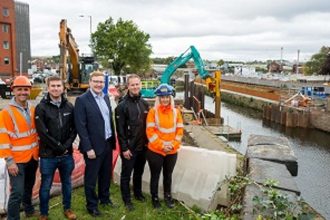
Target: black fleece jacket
131 116
55 127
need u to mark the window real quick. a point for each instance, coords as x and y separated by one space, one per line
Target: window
6 60
5 28
5 12
6 45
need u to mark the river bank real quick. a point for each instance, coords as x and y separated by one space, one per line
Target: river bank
309 145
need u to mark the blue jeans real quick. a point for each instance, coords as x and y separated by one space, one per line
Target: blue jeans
21 189
65 166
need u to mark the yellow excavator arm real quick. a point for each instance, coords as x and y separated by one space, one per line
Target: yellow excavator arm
68 50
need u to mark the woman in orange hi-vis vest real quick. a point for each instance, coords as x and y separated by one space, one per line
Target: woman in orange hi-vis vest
19 147
164 132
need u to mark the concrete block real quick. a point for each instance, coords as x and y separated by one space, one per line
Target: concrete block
267 140
253 190
197 177
276 149
4 186
261 170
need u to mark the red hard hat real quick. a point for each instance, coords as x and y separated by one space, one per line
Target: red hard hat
21 81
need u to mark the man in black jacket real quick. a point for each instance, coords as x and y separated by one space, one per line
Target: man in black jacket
131 114
55 126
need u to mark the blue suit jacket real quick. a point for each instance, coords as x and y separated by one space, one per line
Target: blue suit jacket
90 124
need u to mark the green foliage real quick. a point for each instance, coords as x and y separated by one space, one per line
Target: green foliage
276 205
143 210
159 60
220 62
261 69
314 66
123 44
325 69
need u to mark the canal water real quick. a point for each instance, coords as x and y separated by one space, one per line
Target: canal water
311 147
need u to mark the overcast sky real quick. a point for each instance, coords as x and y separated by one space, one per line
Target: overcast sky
219 29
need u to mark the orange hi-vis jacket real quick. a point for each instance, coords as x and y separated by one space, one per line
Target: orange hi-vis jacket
18 138
164 126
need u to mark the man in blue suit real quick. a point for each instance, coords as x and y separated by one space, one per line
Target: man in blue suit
94 124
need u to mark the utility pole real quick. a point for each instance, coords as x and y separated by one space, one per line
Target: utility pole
90 24
281 60
297 68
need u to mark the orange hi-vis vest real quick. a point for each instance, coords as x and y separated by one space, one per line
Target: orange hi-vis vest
164 126
18 138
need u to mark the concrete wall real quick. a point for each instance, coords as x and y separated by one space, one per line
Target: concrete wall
320 120
285 115
243 100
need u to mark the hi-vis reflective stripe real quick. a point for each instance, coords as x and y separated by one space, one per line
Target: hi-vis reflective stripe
24 147
153 138
3 130
150 124
13 118
179 125
167 130
167 142
178 137
5 146
22 134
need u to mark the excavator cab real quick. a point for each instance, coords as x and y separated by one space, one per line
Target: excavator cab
87 66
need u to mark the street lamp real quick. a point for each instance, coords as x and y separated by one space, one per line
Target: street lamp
90 22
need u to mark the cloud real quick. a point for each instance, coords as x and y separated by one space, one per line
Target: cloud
237 29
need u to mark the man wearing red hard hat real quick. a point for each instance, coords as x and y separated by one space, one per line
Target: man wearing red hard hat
19 147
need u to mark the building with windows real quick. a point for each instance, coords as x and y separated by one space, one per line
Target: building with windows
15 51
7 39
23 50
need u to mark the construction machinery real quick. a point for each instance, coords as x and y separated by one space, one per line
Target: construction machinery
74 70
212 81
190 53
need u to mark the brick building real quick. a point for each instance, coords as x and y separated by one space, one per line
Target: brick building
7 39
15 51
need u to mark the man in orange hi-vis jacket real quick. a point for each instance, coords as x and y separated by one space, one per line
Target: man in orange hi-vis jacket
19 147
164 132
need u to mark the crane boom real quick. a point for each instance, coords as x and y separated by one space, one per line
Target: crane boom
181 60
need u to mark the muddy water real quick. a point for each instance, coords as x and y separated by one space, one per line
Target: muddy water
312 148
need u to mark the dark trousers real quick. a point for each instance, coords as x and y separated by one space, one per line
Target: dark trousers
21 189
98 170
158 162
48 166
136 163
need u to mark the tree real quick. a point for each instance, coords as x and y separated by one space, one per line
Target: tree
220 62
316 62
122 46
325 69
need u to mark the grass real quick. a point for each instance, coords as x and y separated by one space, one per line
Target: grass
142 211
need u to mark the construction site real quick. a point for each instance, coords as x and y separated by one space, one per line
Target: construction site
240 137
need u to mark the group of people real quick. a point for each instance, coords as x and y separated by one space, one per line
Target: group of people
45 133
